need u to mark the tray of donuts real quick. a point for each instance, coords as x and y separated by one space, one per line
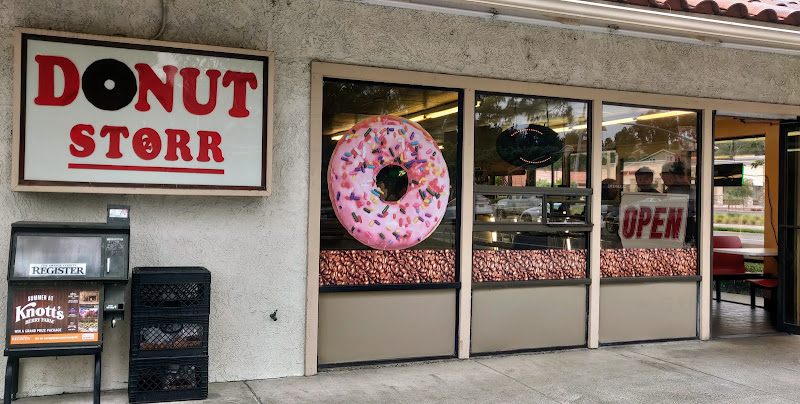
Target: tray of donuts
169 336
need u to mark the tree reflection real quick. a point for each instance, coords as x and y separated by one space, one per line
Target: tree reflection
497 157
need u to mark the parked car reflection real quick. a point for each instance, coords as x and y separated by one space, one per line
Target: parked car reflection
482 209
513 207
533 215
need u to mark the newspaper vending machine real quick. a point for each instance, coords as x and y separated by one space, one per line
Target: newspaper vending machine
64 280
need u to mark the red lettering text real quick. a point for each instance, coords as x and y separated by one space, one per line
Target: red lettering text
190 102
674 220
645 214
72 81
240 82
655 233
114 133
149 81
629 222
209 142
80 136
178 140
146 143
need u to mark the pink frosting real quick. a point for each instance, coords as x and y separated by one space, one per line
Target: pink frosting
365 149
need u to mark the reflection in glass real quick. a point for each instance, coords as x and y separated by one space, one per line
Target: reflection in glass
740 202
526 240
392 183
344 260
791 299
346 103
530 141
566 209
791 236
649 158
508 208
793 185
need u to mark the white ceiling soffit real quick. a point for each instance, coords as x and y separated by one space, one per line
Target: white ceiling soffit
623 19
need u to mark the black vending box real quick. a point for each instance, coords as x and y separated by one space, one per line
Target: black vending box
64 280
169 334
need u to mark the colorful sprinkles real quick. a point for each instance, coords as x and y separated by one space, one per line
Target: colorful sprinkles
370 146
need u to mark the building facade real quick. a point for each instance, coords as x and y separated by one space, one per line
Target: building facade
261 250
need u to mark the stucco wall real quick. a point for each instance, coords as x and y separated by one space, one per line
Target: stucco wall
256 247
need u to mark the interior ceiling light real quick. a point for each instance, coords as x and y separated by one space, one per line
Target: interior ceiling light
627 120
437 114
417 118
664 115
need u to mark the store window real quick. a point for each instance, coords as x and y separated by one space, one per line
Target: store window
649 192
740 200
390 178
530 193
525 141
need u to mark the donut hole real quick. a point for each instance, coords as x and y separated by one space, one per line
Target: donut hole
392 183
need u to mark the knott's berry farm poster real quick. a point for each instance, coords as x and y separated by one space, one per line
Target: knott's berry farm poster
63 315
109 112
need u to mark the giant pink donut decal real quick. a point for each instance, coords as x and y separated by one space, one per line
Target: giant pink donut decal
365 149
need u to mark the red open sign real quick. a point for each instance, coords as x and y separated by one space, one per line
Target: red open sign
652 220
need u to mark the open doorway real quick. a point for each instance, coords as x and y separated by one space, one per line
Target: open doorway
745 225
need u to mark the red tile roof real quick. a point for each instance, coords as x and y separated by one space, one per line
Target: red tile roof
776 11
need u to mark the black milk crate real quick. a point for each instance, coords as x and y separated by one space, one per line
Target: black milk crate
170 291
169 336
168 379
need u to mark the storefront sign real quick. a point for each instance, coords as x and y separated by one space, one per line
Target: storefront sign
107 112
58 315
653 220
57 270
529 145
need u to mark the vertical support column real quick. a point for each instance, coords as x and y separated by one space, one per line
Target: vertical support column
314 206
8 392
97 372
467 217
596 153
15 384
706 189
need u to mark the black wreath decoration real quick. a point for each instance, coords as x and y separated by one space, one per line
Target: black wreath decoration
529 145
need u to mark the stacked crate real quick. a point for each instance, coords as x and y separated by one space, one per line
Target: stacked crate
169 334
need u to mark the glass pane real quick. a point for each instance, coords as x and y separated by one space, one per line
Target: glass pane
390 176
566 209
520 256
791 249
530 141
793 166
791 300
649 192
739 208
42 256
508 208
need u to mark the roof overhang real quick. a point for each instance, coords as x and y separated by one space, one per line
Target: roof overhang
623 19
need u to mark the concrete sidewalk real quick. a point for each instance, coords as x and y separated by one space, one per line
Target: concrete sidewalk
734 370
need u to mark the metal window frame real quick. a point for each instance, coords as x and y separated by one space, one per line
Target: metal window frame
469 85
